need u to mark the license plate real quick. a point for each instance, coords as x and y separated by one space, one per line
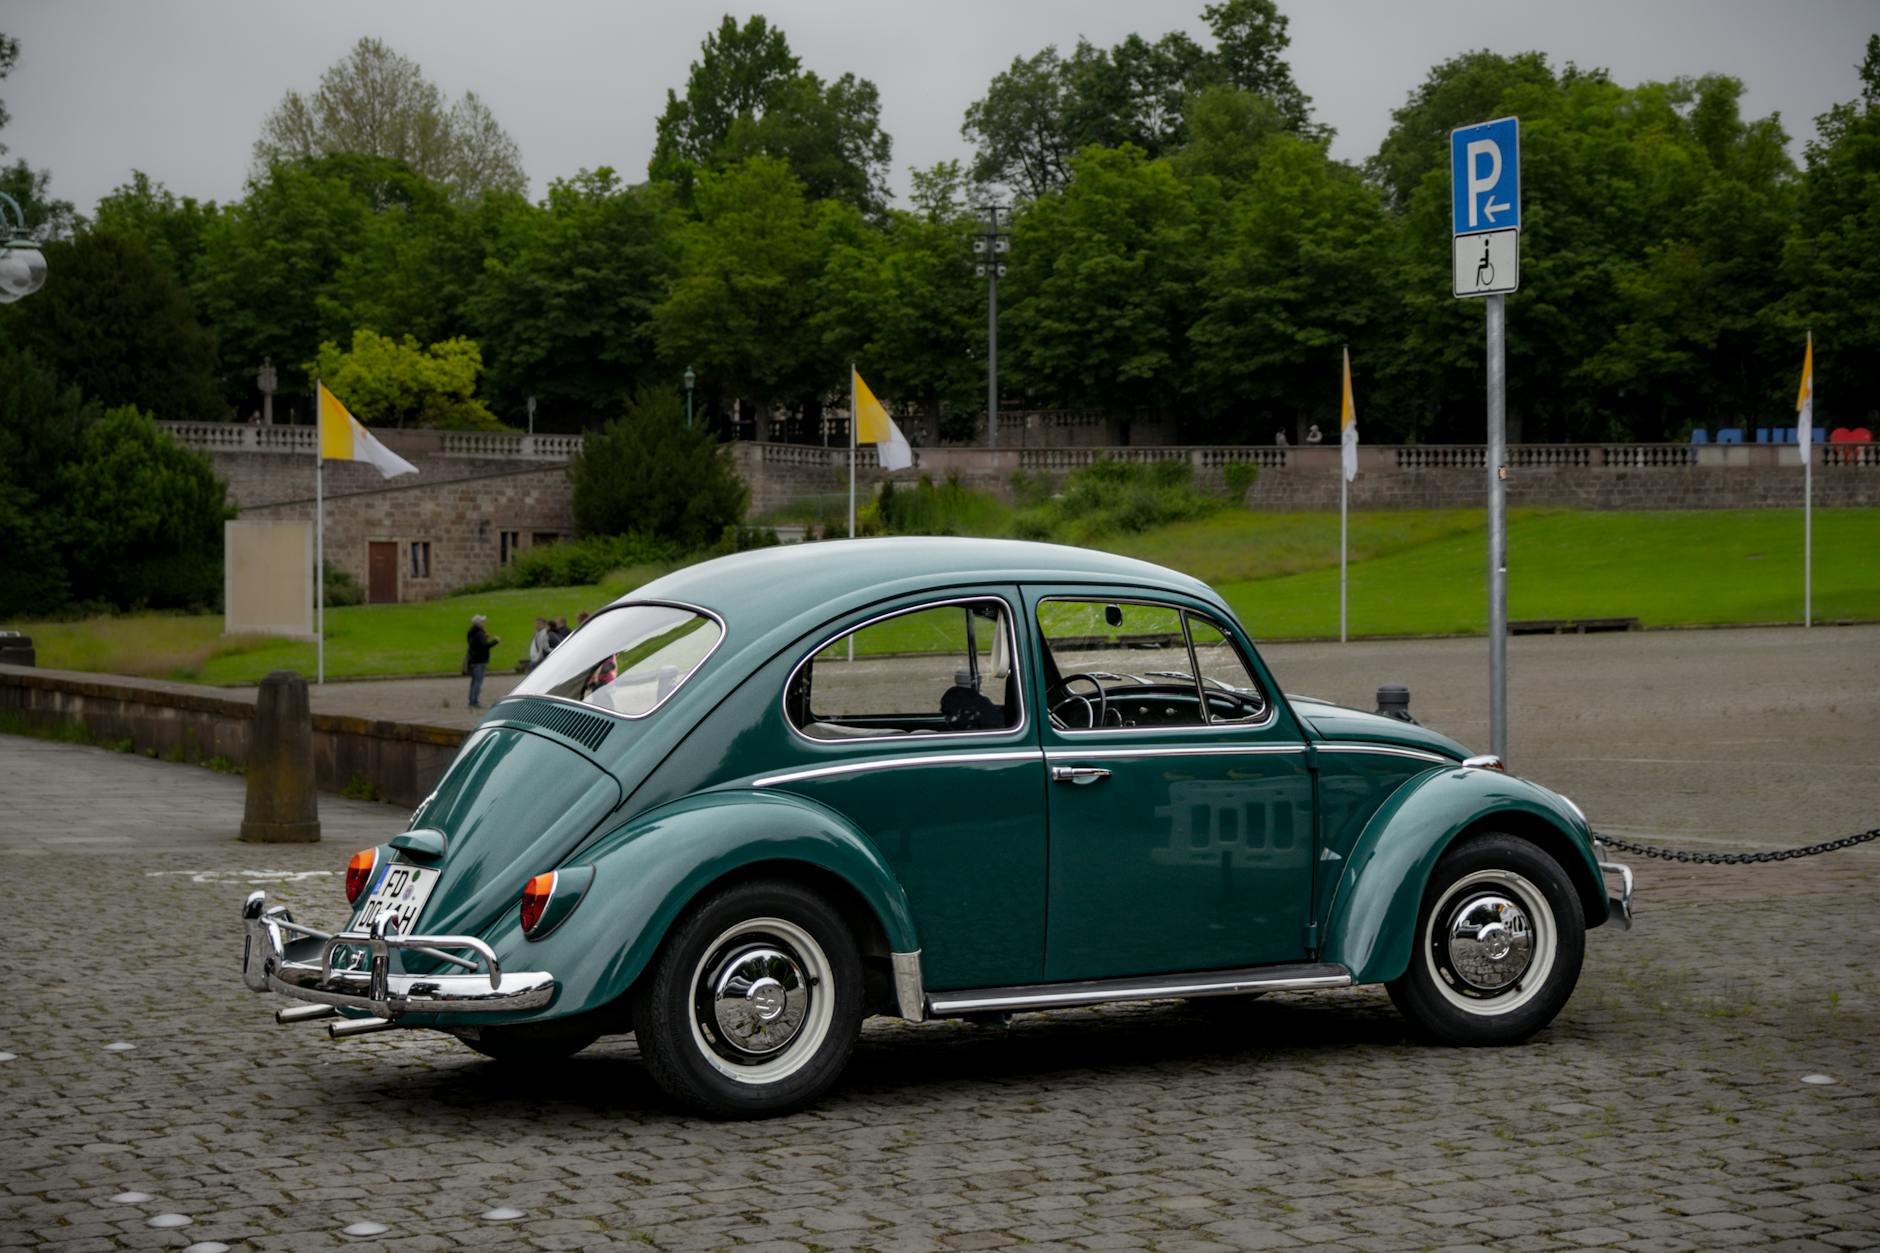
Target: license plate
397 896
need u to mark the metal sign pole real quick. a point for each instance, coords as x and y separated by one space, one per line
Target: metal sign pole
1497 529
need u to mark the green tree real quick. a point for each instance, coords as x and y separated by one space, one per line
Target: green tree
1292 278
9 57
1043 109
646 473
376 103
1462 90
149 529
389 382
1102 278
564 304
903 303
46 216
741 305
319 249
43 420
1831 265
170 227
748 96
119 326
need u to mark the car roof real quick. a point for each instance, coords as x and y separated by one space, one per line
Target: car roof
766 588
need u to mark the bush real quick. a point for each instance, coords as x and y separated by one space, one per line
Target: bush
1116 498
644 473
342 589
948 509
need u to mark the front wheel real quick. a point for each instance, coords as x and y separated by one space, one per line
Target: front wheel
754 1002
1500 939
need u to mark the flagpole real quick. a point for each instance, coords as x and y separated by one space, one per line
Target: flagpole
1344 498
319 544
855 414
1808 496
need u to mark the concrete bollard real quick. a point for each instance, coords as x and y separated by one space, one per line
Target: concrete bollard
282 807
1393 701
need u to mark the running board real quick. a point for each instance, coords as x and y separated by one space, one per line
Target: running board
1296 978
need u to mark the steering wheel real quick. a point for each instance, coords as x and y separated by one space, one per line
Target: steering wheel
1096 714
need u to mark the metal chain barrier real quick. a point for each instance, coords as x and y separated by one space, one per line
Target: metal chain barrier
1735 859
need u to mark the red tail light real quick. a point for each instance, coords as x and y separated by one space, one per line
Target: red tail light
359 873
535 894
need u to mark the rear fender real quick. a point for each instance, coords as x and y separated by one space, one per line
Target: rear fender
1372 926
650 869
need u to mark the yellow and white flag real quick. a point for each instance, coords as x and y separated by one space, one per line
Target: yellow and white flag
1805 399
1348 426
344 438
874 426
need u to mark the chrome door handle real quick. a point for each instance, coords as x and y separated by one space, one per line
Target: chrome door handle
1078 774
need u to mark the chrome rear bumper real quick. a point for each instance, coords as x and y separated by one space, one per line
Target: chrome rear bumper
352 970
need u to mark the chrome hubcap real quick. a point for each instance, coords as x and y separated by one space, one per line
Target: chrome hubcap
1490 942
758 999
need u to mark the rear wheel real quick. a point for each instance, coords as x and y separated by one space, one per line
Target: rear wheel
754 1002
1500 939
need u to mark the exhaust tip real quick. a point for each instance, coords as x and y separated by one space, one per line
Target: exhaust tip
358 1026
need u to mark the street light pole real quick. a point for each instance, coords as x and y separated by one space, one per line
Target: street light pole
991 248
690 378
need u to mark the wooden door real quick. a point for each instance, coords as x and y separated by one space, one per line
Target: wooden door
381 573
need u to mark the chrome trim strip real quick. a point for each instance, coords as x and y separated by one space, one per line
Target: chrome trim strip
1388 750
724 633
1018 675
896 763
1294 978
908 995
1193 750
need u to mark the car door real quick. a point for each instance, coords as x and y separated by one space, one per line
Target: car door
916 724
1179 807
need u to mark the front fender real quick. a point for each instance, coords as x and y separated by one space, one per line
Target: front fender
1372 924
648 870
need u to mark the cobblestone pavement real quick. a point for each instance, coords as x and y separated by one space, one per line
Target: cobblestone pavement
1665 1110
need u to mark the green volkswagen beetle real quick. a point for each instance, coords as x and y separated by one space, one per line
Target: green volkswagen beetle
765 797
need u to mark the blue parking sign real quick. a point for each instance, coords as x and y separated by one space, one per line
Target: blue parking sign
1485 176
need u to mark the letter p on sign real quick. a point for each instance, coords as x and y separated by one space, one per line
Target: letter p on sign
1480 181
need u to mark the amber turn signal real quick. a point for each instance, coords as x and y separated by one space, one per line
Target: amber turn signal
535 894
359 873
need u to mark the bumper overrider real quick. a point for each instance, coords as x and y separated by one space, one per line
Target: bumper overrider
1620 905
352 971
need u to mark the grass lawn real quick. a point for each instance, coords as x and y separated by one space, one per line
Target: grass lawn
1699 567
1411 573
363 640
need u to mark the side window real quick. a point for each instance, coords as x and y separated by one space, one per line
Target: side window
1233 696
1114 664
945 669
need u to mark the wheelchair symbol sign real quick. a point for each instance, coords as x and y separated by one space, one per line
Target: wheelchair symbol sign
1488 263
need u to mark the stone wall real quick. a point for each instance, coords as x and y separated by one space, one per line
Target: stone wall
1627 476
188 723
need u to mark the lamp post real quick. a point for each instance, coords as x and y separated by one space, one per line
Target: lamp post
990 247
22 265
266 379
690 378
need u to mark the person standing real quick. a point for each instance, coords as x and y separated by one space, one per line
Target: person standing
478 644
539 643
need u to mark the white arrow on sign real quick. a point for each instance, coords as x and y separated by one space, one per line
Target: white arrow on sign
1494 207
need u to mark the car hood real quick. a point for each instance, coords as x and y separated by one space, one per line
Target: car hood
513 804
1335 722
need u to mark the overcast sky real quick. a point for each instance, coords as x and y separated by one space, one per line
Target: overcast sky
178 89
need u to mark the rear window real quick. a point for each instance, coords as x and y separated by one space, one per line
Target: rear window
627 659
